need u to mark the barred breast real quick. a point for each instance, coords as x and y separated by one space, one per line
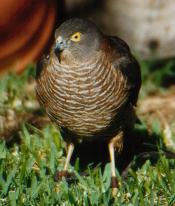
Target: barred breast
83 99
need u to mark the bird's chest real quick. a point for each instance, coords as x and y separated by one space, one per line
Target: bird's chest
86 90
83 100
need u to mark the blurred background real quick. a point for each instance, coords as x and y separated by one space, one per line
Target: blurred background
27 31
26 27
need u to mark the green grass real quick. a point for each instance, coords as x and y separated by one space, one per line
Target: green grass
28 164
27 176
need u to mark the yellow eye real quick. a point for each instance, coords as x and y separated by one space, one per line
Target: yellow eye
76 37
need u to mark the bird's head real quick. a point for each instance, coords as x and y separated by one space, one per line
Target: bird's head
77 39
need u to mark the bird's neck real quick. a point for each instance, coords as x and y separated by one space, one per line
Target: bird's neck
68 62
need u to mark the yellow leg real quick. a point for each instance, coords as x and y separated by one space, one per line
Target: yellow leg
115 143
69 155
60 174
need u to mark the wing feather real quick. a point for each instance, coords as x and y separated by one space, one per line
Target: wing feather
123 60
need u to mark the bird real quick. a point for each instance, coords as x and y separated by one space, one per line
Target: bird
88 85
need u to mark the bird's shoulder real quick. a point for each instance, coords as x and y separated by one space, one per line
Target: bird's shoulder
41 79
122 59
42 65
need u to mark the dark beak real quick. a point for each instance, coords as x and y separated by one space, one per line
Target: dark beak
58 49
59 46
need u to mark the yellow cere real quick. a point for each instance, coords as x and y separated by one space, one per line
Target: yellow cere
76 37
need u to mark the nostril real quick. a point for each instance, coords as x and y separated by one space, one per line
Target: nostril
59 42
59 46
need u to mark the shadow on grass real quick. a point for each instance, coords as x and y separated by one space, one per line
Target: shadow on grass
139 146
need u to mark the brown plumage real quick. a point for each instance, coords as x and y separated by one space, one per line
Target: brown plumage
89 85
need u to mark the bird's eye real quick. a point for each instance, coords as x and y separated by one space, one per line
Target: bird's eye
76 37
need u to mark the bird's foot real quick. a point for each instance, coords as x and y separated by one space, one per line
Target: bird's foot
114 186
69 176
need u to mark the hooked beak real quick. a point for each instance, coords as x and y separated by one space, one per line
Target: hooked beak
60 45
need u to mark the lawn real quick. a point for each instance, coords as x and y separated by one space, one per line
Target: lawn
32 150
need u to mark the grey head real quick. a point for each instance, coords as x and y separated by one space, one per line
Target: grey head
78 39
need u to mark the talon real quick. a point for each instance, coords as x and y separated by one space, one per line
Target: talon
114 186
114 192
114 182
69 176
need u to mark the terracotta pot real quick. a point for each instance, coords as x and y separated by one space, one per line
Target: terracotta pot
25 28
